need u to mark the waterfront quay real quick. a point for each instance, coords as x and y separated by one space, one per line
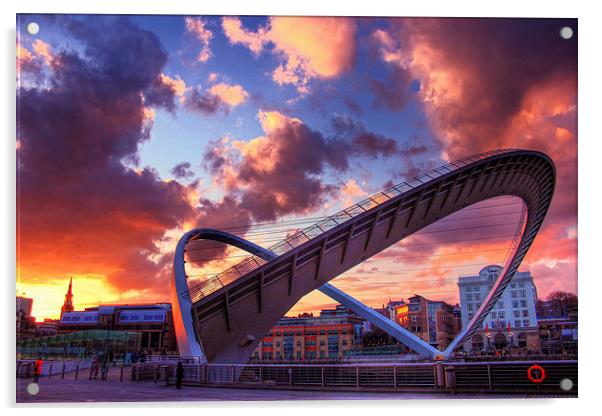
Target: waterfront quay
155 382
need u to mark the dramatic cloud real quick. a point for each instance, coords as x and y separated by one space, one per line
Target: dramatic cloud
81 211
309 47
281 173
196 26
488 84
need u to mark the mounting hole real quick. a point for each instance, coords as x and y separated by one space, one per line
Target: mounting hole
33 28
33 389
566 32
566 384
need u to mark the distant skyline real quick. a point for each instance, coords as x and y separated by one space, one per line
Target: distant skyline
133 129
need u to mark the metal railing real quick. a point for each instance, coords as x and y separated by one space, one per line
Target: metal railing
198 292
441 376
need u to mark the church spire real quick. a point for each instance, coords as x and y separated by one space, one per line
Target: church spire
68 305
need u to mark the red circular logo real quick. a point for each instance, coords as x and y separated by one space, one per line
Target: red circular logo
536 373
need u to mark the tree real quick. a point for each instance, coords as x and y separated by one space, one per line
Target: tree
558 303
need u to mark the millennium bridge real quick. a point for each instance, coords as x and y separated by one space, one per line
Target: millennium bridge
221 320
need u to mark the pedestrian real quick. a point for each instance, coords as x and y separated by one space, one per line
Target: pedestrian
92 365
104 371
179 375
37 369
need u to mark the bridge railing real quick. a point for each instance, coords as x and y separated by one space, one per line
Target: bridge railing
197 292
494 376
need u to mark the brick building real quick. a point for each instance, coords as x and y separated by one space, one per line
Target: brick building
307 337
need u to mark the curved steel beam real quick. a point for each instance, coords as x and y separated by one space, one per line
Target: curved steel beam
188 343
227 316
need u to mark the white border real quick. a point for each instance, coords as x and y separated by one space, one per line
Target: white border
590 68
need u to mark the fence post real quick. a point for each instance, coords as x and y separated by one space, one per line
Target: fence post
50 371
489 377
76 370
394 377
260 375
63 371
233 371
290 376
121 374
322 376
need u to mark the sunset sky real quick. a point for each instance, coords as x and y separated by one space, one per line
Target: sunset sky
132 130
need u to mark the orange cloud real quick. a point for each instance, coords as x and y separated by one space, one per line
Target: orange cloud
309 47
42 49
351 192
232 95
177 84
196 26
236 33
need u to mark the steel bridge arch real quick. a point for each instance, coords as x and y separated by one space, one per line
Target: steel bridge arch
229 320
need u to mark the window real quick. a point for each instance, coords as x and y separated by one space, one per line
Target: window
516 314
525 322
470 306
502 324
477 296
515 304
517 324
501 315
525 313
523 303
322 343
513 285
523 293
470 316
500 305
469 288
521 285
493 315
469 297
476 288
513 293
492 324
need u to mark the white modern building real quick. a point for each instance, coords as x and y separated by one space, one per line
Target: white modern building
512 318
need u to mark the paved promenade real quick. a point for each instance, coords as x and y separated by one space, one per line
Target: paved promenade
85 390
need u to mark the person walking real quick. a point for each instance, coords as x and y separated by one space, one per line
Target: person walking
37 369
93 367
179 375
104 370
